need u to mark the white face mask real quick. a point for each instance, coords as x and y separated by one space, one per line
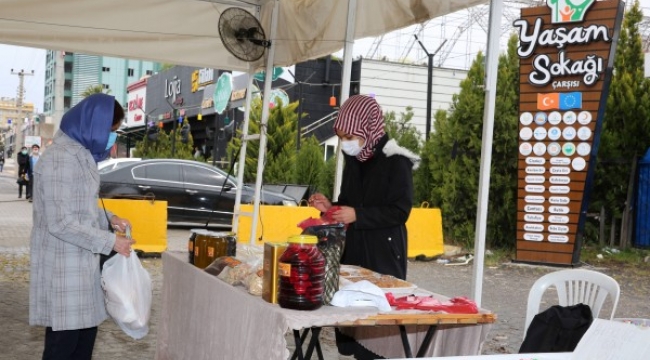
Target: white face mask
351 147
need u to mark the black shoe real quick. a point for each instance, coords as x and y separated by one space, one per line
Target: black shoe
30 200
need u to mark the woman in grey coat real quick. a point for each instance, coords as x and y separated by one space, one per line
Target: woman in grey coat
70 231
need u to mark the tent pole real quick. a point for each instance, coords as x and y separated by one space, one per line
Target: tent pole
492 67
265 118
241 165
345 86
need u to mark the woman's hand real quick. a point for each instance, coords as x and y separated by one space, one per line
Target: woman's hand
320 202
345 215
123 245
120 224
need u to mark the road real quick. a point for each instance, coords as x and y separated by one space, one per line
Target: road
505 291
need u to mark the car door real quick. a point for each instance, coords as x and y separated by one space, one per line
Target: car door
208 202
164 181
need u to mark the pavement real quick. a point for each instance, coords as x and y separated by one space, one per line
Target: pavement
505 291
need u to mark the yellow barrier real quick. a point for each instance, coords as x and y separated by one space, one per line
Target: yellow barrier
278 223
148 220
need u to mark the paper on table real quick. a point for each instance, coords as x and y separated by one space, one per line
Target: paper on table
613 340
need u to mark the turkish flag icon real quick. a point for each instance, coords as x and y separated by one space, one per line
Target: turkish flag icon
548 101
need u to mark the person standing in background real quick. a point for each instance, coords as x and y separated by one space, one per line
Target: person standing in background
2 161
70 230
23 172
33 159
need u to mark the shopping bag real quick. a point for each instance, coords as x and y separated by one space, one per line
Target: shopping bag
128 294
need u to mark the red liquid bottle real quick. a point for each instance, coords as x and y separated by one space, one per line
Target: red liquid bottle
302 271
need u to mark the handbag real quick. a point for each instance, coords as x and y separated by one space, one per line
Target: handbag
22 180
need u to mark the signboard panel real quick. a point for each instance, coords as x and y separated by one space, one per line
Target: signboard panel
566 56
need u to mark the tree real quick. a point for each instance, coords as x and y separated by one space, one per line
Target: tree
451 158
161 147
280 151
402 131
310 165
625 131
95 89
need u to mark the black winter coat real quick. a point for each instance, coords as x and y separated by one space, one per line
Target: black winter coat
381 192
23 164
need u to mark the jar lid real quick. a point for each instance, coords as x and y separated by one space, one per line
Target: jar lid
303 239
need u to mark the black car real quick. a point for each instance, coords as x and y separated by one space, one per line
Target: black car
192 189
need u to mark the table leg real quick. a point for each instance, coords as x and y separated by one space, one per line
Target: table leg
405 342
314 343
298 340
423 347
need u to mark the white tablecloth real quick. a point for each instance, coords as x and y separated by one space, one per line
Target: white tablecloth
203 317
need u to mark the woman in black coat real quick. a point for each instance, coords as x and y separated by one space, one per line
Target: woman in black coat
376 190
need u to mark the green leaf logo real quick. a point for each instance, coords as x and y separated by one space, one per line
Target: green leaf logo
567 11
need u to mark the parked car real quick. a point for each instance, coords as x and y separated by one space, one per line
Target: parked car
112 164
194 191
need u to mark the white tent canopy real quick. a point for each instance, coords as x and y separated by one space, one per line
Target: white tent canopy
185 32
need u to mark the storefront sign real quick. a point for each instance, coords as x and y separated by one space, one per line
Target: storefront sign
201 78
222 92
566 56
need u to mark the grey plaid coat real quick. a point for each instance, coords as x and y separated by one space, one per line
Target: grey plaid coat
69 233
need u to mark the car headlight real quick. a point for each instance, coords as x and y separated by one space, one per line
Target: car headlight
289 203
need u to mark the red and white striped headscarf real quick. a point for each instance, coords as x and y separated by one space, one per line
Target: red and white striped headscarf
361 115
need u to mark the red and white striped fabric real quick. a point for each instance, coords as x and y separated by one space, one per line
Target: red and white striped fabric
361 115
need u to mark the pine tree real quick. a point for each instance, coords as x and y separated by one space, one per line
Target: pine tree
310 165
402 130
625 133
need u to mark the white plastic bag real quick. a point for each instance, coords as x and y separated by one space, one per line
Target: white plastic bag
128 294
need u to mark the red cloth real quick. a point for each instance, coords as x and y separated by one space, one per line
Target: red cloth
457 305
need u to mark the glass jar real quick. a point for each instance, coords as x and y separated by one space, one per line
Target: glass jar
302 271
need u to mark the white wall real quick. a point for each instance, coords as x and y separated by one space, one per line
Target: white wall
398 85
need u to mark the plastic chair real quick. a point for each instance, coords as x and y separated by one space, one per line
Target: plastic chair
574 286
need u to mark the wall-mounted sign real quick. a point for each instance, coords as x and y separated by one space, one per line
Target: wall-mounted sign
566 53
222 92
261 76
201 78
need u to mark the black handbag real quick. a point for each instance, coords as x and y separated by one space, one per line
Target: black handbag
21 180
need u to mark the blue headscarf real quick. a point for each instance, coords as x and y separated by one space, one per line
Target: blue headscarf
89 123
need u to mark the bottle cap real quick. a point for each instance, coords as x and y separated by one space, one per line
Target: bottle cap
303 239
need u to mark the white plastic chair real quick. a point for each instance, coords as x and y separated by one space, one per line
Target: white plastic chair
574 286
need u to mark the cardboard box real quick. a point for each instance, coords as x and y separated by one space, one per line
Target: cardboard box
270 277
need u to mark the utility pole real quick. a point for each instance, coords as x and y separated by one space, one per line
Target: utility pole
20 95
429 82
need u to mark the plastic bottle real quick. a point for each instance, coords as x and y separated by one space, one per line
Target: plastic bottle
302 272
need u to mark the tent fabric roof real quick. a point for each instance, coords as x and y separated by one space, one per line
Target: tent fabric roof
185 32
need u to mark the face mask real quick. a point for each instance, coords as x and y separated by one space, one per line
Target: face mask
112 136
24 152
351 147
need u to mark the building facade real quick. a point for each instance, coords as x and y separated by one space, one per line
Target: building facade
16 121
77 72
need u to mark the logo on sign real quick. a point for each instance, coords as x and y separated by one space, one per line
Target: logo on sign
568 11
559 200
534 218
559 189
534 227
535 188
558 209
560 229
535 169
560 161
555 170
535 161
534 199
560 180
533 237
558 219
535 179
558 238
534 208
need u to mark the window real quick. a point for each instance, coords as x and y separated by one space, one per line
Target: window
163 172
149 72
130 72
106 69
202 176
105 86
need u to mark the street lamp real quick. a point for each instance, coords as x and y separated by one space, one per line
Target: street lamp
429 82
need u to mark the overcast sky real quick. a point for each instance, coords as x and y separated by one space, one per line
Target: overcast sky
28 59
